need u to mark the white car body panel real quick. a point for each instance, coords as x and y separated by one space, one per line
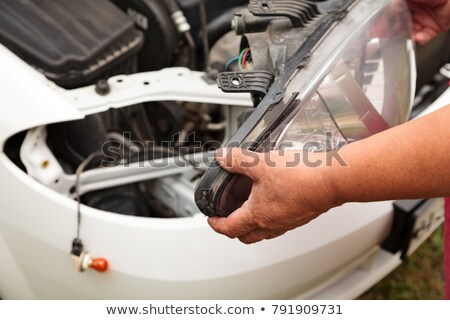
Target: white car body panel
163 258
28 98
168 259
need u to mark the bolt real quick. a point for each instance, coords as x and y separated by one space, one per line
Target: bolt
102 87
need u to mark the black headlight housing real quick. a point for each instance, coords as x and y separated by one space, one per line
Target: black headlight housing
353 76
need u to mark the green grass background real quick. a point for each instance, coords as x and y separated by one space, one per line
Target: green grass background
420 277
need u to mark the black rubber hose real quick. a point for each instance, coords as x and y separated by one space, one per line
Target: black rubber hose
192 50
172 5
204 25
221 24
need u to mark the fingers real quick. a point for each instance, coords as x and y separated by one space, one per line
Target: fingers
241 224
260 235
241 161
424 36
238 227
234 226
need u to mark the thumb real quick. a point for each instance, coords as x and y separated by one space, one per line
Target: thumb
241 161
423 36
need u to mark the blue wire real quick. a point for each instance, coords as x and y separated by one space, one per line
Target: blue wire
227 66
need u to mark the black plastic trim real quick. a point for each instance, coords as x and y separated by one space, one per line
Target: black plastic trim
256 82
300 12
210 188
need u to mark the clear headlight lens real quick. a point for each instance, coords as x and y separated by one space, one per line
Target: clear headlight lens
359 81
369 89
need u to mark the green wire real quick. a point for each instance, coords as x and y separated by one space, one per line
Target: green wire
240 59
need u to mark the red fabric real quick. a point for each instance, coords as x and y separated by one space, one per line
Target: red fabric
447 248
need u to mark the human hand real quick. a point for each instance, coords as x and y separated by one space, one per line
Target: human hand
430 17
286 194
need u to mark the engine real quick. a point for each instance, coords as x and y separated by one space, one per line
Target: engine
81 43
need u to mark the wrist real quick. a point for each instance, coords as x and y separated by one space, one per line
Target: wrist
332 178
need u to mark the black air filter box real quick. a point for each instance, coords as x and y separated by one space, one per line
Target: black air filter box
73 42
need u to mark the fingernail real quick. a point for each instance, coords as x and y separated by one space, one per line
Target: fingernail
221 153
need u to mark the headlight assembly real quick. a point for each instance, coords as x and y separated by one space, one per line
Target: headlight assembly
350 79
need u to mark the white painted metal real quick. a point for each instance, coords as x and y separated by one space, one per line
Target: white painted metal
151 258
32 100
172 84
169 258
43 166
441 102
357 281
28 98
161 258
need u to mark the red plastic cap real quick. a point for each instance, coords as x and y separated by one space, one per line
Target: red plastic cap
100 264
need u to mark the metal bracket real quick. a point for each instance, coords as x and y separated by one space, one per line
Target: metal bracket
42 165
172 84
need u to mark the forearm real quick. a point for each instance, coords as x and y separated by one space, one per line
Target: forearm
407 162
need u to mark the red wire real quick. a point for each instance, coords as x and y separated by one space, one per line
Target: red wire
245 58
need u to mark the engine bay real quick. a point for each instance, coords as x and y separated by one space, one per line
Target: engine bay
143 72
82 45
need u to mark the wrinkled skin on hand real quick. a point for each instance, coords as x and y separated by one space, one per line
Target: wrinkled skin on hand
430 17
283 197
